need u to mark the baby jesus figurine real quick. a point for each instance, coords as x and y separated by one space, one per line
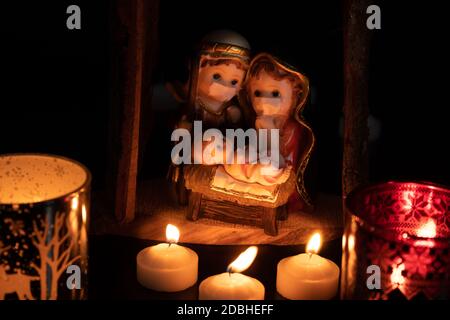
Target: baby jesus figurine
277 94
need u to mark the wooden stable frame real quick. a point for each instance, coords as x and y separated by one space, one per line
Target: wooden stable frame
355 162
134 49
135 46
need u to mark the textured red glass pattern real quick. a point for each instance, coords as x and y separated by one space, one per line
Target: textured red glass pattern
404 228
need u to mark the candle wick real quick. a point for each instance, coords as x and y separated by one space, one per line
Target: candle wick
309 255
170 243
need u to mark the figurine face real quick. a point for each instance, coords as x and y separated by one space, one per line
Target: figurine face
269 96
219 83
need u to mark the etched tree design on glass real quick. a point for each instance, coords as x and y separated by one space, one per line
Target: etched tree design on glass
55 245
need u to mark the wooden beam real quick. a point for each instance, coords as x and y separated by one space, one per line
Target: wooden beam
134 22
356 105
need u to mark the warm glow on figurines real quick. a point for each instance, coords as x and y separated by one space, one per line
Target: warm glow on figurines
277 93
260 164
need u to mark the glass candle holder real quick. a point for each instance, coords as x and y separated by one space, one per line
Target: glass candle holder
44 206
396 242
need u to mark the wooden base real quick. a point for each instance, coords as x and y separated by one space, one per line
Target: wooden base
157 206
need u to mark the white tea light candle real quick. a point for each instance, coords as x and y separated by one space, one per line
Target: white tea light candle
232 285
167 267
308 276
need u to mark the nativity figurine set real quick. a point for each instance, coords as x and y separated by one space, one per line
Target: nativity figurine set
229 90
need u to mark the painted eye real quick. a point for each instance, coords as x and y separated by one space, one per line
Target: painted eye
216 76
275 94
257 93
234 82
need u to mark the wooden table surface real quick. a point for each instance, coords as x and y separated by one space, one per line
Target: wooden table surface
112 266
157 206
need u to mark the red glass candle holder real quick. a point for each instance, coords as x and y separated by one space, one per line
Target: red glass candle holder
396 242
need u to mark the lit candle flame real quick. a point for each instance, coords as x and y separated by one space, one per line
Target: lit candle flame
172 234
74 203
396 277
244 260
428 230
83 213
344 241
351 242
314 243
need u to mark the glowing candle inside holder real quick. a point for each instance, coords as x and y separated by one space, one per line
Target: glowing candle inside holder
167 267
232 285
44 217
428 230
402 227
308 276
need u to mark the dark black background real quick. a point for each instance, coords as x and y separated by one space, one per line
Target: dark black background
54 92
